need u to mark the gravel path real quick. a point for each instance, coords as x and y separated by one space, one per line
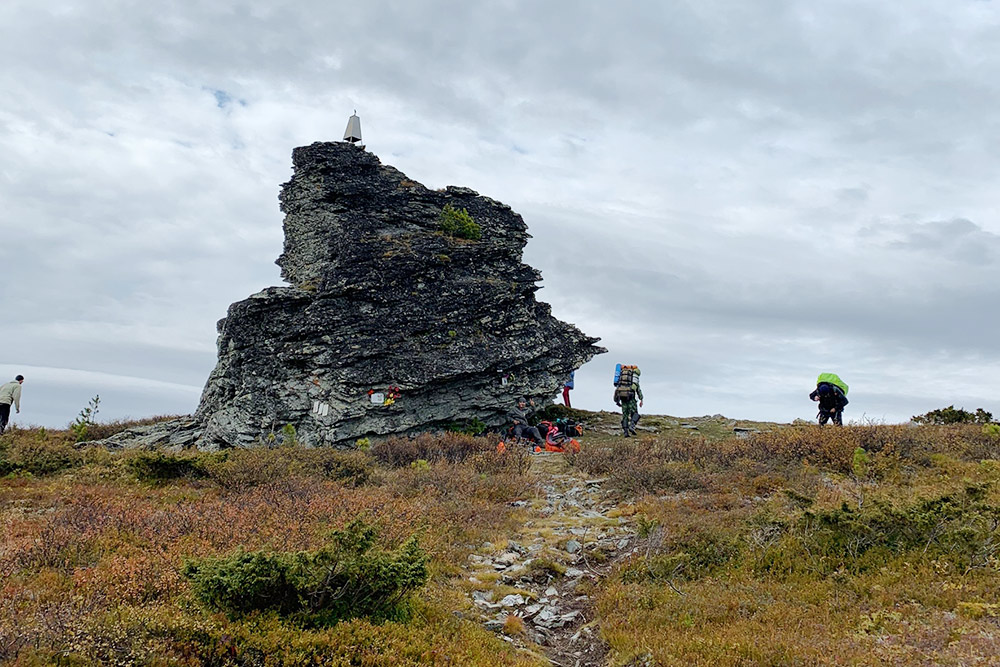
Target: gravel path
544 575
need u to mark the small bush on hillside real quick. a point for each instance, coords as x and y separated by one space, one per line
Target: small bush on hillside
555 411
397 452
957 527
469 427
698 555
514 461
348 578
245 468
950 415
39 453
458 223
81 425
645 467
160 467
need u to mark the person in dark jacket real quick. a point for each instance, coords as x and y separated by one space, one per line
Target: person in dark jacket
832 402
519 418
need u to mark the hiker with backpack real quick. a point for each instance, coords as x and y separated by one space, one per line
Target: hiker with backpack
831 392
627 394
519 418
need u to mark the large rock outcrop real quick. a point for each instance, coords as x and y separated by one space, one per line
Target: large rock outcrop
381 299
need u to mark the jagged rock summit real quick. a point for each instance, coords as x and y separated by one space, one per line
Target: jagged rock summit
389 326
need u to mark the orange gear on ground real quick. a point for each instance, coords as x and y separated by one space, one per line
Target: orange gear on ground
574 446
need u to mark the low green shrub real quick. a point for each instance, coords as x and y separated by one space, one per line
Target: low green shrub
950 415
694 555
545 568
468 427
958 527
516 461
160 467
555 411
80 427
39 453
348 578
458 223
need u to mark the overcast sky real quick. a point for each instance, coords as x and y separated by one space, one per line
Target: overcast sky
734 195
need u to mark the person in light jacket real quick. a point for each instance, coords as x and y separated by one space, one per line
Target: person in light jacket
10 393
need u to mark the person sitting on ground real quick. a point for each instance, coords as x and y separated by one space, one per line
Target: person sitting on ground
519 418
831 403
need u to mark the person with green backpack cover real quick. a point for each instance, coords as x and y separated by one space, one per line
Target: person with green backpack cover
831 392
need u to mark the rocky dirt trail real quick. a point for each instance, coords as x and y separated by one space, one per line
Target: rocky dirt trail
535 589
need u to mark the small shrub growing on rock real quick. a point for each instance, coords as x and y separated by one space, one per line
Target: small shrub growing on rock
350 577
458 223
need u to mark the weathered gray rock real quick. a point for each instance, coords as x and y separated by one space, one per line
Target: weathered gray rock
380 298
512 600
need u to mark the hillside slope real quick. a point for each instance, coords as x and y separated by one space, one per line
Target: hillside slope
687 545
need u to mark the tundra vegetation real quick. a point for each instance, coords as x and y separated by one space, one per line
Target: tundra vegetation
870 544
796 545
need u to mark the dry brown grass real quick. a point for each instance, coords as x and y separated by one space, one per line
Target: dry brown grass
855 546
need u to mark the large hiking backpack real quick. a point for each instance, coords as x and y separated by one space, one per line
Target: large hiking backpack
626 383
832 378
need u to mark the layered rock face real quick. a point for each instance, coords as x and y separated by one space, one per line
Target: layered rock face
389 326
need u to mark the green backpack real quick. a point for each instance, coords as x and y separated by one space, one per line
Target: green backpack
832 378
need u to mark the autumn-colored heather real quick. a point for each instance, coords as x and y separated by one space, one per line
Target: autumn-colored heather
93 556
799 545
803 545
447 446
